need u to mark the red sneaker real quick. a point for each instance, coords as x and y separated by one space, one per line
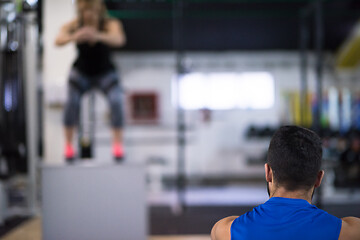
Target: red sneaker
118 152
69 153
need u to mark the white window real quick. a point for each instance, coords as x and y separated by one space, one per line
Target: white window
221 91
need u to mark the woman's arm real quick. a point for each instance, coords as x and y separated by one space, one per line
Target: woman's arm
113 35
66 33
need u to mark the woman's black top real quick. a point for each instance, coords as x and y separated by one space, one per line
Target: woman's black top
94 59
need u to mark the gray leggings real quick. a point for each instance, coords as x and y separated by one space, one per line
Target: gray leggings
80 83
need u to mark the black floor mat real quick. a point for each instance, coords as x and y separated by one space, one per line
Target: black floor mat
11 224
194 220
199 220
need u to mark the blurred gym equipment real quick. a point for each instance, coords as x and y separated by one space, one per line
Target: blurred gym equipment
18 106
87 128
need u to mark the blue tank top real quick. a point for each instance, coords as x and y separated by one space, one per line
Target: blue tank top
284 219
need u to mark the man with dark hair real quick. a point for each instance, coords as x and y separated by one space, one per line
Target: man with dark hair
292 173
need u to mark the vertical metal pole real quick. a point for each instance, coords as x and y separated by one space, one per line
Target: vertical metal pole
180 113
319 35
92 122
3 37
30 59
304 39
319 28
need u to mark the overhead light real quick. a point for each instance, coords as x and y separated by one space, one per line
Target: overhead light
227 90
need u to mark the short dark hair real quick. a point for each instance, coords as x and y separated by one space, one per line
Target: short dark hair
294 156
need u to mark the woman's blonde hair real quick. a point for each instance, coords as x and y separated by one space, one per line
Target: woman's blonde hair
100 3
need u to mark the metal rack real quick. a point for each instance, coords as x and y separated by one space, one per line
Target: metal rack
18 105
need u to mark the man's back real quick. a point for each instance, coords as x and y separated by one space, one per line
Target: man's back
292 172
285 218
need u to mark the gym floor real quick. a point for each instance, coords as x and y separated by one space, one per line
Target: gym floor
31 230
167 226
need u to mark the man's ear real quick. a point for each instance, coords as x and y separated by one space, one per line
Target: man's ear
268 173
319 178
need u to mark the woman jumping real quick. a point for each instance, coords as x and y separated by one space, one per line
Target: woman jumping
94 35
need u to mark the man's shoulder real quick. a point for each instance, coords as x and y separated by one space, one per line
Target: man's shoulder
350 228
222 229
